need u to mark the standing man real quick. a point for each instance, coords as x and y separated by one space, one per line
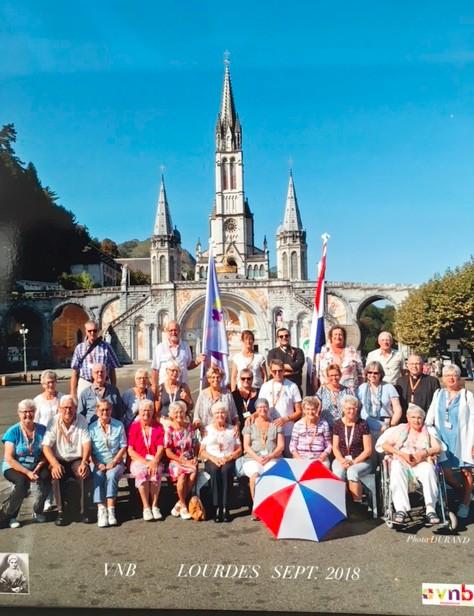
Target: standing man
391 360
284 400
67 448
172 349
292 357
94 350
416 387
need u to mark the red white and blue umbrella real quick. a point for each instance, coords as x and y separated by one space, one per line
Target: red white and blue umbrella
299 499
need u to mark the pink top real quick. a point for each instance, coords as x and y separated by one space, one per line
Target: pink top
142 441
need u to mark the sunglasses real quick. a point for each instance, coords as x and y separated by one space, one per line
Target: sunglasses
245 378
283 336
370 372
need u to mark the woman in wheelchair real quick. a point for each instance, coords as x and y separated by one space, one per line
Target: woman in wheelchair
412 449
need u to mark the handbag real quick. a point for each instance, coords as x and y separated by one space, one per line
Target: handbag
196 509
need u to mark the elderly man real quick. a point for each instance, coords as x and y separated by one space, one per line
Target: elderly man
67 448
172 349
92 351
284 400
292 357
391 360
416 387
99 390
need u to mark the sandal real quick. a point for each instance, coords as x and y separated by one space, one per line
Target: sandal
432 518
175 512
399 517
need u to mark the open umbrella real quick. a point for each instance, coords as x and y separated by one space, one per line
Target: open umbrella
299 499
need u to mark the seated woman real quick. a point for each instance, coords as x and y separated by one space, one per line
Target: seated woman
145 448
220 447
263 444
332 395
380 401
216 392
452 413
47 402
109 445
131 398
412 448
311 436
181 448
173 389
352 447
23 464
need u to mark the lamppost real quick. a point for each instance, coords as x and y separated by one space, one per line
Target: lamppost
23 331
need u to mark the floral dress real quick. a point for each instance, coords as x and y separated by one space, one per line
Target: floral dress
182 442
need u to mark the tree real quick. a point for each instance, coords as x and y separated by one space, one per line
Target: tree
373 321
109 247
139 278
77 281
440 309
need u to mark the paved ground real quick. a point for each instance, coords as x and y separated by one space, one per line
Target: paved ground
362 566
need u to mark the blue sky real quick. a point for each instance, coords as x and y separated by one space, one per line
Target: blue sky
372 102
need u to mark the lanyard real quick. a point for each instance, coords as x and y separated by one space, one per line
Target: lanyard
147 440
29 444
375 401
106 431
413 387
349 440
275 401
314 433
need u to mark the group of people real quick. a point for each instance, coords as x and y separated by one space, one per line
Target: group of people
95 434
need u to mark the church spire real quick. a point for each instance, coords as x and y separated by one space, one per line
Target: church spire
163 224
292 220
228 129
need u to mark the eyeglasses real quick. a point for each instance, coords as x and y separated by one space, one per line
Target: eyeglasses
92 331
27 412
372 372
283 336
246 378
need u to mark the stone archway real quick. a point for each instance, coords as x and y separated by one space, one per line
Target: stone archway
238 315
67 331
375 314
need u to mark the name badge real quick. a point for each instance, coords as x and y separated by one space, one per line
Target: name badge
149 456
448 425
264 452
29 460
348 458
247 414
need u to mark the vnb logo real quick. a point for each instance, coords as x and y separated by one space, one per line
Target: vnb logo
447 594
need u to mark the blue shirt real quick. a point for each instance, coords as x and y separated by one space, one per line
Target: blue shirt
88 400
376 408
24 451
449 414
105 448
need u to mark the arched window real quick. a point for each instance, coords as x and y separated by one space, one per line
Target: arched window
249 272
294 266
201 273
255 271
233 181
262 271
153 269
172 276
162 269
224 174
284 263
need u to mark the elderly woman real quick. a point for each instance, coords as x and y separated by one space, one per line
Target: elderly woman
131 398
263 444
311 436
12 578
452 413
346 357
23 464
208 396
249 360
47 402
219 449
352 447
171 390
181 448
412 448
145 448
109 446
380 401
332 395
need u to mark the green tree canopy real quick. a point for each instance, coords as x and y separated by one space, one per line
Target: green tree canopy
440 309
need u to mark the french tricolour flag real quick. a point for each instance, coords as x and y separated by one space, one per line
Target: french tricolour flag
317 337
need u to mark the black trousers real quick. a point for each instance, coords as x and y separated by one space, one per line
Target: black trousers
221 482
11 506
71 471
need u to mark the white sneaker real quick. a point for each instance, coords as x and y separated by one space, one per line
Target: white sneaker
147 514
184 513
463 511
156 513
39 517
102 519
111 516
48 505
175 510
13 523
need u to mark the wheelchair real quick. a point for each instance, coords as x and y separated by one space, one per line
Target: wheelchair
448 519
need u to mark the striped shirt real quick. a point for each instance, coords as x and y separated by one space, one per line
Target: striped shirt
103 353
311 441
